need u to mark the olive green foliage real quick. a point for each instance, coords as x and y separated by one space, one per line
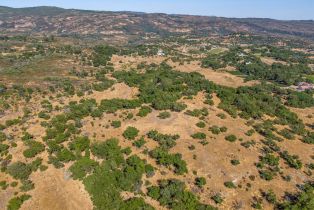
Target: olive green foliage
201 124
254 102
3 148
301 200
283 54
113 105
130 133
268 166
103 85
80 144
235 162
217 198
165 141
164 115
113 175
102 55
116 123
65 155
34 148
197 112
231 138
200 181
230 184
292 160
309 138
19 170
198 135
216 130
139 143
300 99
278 73
16 202
213 61
82 167
173 195
175 160
270 196
162 87
144 111
109 149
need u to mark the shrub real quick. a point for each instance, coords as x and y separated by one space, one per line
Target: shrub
149 170
223 129
19 170
230 185
165 141
235 162
215 129
201 124
130 133
166 159
292 160
200 181
82 167
109 150
27 185
144 111
116 124
3 148
65 155
309 138
250 132
199 135
302 199
34 148
43 115
221 116
164 115
217 198
270 196
16 202
139 143
231 138
80 144
266 174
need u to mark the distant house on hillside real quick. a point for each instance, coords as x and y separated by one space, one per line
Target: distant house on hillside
303 86
160 53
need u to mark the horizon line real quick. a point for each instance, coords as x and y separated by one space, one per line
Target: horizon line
183 14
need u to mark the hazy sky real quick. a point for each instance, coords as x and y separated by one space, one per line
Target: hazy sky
278 9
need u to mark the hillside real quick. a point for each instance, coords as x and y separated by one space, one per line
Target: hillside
135 111
126 26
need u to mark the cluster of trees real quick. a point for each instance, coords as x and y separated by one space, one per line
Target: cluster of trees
254 102
282 54
162 155
304 199
165 141
221 60
162 87
278 73
102 55
268 166
113 175
173 195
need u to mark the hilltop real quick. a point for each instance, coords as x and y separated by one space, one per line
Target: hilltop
127 26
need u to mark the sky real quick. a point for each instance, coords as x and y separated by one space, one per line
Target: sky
276 9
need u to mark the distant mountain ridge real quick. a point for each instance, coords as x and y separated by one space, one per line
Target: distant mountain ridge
136 25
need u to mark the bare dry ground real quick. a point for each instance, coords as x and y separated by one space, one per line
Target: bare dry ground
55 190
270 61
